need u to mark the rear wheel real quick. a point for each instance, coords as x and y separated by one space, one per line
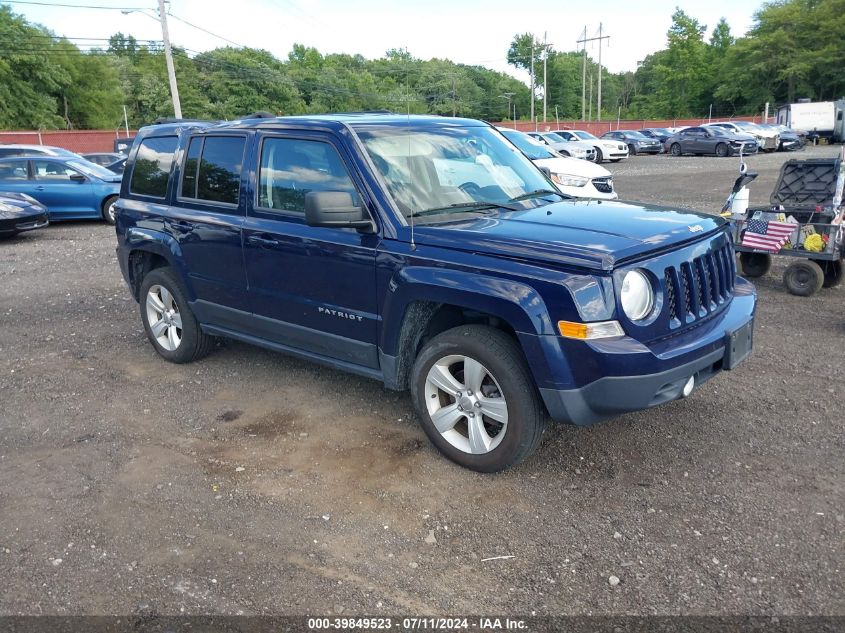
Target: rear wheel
108 209
475 398
675 149
803 278
168 321
755 264
721 150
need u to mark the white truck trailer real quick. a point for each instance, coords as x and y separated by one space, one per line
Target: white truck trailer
819 118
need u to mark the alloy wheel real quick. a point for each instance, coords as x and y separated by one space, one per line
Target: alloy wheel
164 318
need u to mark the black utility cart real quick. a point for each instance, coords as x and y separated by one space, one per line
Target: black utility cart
806 197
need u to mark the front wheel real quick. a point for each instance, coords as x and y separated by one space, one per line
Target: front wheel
168 321
632 150
755 264
599 156
675 149
721 150
475 398
108 209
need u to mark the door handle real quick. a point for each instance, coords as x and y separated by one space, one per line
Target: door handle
182 225
263 242
40 188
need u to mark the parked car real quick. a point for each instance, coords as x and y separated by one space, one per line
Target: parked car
117 166
710 140
605 148
104 159
790 140
767 140
659 133
575 149
573 177
637 143
499 303
18 149
19 212
70 188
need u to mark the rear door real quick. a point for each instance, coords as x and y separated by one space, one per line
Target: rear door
311 288
65 191
14 176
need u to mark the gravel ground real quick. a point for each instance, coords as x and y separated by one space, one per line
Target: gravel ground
254 483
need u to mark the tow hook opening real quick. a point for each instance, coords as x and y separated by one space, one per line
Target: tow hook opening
688 386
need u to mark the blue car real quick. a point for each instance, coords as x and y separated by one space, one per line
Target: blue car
70 187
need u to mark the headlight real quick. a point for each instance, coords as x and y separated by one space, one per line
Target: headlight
637 296
568 180
30 198
6 210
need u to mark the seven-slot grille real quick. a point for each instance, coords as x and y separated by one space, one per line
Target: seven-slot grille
700 286
604 185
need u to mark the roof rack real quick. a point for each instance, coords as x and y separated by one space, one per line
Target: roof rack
260 115
163 120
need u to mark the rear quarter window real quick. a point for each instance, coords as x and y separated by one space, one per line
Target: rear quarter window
152 166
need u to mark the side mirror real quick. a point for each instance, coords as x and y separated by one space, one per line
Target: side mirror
546 171
78 178
335 209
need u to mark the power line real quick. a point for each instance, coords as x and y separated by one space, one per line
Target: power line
199 28
74 6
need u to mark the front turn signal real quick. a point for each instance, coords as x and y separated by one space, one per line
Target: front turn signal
588 331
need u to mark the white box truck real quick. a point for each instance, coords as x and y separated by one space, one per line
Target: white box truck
816 118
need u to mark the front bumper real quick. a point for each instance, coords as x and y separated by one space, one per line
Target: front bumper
635 376
11 226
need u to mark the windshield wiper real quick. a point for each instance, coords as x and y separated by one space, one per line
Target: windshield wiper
536 194
464 206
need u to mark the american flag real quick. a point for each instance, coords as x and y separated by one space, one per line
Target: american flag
767 236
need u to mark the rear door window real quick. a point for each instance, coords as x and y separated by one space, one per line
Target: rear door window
212 169
152 166
13 170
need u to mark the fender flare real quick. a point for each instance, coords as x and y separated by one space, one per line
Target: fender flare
159 243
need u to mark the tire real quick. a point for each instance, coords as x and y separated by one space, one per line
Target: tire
832 271
615 160
503 391
108 209
676 149
755 264
721 150
803 278
599 156
160 290
565 153
632 150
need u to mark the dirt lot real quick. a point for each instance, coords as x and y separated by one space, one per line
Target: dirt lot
254 483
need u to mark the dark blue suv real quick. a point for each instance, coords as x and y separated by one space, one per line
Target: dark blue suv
430 254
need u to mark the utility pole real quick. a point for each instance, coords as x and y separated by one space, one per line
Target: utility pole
532 78
508 95
168 56
545 82
591 97
584 78
584 40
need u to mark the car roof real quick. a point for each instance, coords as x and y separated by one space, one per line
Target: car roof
61 159
43 148
333 122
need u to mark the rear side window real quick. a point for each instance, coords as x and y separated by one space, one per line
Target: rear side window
13 170
213 169
152 166
290 168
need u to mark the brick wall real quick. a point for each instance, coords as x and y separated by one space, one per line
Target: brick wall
80 141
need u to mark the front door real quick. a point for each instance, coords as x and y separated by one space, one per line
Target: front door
65 192
311 288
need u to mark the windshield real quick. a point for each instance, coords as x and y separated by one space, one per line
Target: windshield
747 126
437 171
554 138
636 135
91 169
719 131
529 146
583 135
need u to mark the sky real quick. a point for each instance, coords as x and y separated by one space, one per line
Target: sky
476 32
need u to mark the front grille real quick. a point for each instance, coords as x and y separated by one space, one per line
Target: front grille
699 287
604 185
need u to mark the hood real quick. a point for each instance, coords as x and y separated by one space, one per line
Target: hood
572 166
586 233
18 200
572 144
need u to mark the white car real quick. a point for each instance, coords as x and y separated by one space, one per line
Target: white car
767 139
574 177
576 149
611 150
